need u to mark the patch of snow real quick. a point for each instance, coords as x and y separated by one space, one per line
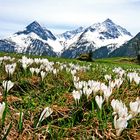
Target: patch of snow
23 41
57 47
95 37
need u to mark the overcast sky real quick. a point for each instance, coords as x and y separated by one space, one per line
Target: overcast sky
61 15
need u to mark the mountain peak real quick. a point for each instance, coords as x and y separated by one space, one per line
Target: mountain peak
108 21
36 28
70 34
33 25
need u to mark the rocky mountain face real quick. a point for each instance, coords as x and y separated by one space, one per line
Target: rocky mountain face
34 27
106 34
70 34
6 46
33 40
129 48
103 39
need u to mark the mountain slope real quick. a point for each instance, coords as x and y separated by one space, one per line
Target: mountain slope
129 48
70 34
100 38
69 37
6 46
33 40
96 36
34 27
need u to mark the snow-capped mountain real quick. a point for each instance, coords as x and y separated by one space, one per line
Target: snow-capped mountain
100 38
34 27
69 37
105 33
34 39
130 48
96 36
70 34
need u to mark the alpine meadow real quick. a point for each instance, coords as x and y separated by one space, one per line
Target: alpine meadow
51 98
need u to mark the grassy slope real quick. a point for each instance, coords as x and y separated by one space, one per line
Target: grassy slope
68 120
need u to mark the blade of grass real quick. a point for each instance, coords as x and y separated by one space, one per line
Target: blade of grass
7 132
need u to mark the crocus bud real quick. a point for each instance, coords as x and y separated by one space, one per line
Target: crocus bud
2 107
7 85
99 100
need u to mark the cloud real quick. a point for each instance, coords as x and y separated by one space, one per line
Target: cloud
65 15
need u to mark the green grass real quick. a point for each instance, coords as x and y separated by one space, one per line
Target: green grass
68 121
119 60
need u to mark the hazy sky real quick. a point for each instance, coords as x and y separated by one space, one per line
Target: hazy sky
61 15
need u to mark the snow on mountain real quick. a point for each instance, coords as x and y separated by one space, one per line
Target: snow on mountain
35 39
23 41
128 49
69 37
70 34
105 33
37 29
102 40
98 35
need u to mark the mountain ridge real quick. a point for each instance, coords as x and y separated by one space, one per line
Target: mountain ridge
35 39
130 48
96 36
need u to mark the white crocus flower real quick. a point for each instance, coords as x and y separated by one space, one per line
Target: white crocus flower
43 74
120 109
26 62
78 85
120 124
123 113
118 82
2 108
137 80
94 85
107 77
130 76
76 95
134 76
54 71
99 100
119 71
112 84
24 65
85 90
115 105
103 87
46 113
135 107
138 100
10 68
7 85
107 92
88 92
37 70
32 70
75 79
73 72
